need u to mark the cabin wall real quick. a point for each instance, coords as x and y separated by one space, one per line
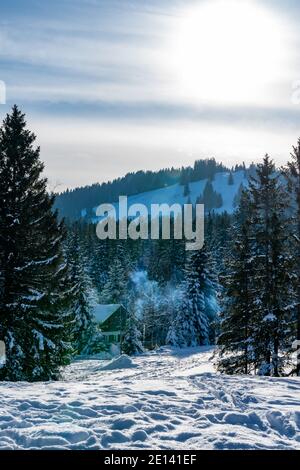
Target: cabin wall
116 322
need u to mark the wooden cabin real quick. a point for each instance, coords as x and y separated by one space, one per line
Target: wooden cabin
111 319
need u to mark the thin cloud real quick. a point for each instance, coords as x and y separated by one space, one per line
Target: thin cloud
95 80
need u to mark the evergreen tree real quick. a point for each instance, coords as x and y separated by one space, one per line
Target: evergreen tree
237 197
256 324
132 341
186 189
149 308
161 264
34 299
218 200
230 179
238 313
218 236
99 263
182 332
178 259
83 297
210 198
292 173
115 289
185 175
191 325
272 280
96 253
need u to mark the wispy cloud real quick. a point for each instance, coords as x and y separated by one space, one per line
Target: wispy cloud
96 79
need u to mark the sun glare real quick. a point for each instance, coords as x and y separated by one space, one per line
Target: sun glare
227 51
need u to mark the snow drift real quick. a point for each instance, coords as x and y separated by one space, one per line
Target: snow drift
121 362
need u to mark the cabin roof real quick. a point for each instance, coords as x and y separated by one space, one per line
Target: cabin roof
103 312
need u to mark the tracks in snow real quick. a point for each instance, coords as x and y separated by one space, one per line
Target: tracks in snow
171 400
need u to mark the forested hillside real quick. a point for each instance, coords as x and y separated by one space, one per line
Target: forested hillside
71 203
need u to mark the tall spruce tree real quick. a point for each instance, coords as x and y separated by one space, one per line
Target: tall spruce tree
161 264
191 325
182 332
230 179
115 289
149 308
210 198
99 263
34 299
96 255
292 173
238 195
238 312
84 296
132 341
272 279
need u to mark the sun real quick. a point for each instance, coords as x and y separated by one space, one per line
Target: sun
227 51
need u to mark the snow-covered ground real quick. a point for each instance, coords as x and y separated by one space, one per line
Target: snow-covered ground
164 400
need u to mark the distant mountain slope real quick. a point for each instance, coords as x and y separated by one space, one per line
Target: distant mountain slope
175 194
71 202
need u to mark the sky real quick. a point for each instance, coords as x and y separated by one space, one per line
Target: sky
112 86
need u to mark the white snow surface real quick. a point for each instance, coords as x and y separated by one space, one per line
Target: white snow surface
121 362
172 399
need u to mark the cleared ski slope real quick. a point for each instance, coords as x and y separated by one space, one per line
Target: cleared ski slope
174 194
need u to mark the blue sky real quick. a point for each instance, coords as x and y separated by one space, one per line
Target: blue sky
111 86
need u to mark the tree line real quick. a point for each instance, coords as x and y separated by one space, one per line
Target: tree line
71 202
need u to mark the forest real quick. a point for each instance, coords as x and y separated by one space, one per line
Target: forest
241 291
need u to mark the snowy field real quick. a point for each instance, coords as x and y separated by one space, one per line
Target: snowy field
162 400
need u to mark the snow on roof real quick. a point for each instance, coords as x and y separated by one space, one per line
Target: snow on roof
103 312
